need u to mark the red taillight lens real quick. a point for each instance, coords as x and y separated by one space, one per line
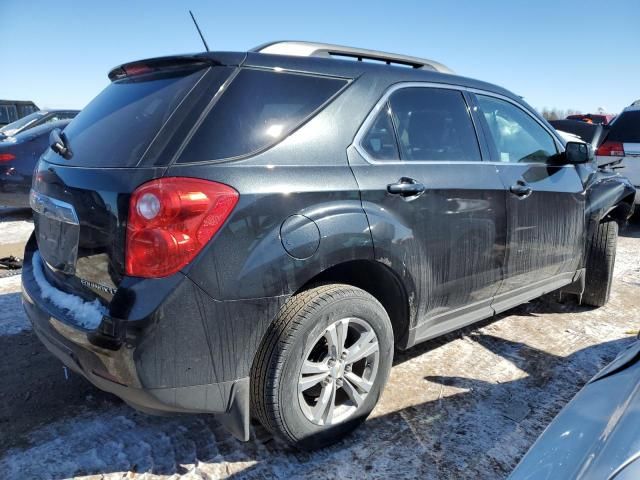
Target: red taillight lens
611 149
7 157
170 220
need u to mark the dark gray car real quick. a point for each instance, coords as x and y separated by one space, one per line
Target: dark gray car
254 233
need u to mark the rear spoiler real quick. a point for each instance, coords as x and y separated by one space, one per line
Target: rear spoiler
176 62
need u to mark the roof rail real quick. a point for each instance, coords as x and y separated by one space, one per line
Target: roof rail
312 49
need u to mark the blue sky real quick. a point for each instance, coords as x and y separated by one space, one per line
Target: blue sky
564 54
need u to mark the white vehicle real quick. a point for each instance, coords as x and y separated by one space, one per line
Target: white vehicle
623 142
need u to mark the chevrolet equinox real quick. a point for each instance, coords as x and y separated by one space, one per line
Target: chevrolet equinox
253 234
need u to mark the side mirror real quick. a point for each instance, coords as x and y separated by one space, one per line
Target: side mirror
578 152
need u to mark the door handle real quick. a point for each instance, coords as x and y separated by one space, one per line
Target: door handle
521 189
406 187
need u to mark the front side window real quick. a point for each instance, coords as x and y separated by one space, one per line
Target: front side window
518 138
433 124
259 109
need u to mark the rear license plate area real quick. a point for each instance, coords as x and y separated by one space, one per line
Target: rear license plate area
57 232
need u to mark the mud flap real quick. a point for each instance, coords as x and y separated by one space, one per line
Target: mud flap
576 287
236 419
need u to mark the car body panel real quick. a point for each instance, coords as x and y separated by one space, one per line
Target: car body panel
546 229
631 163
595 435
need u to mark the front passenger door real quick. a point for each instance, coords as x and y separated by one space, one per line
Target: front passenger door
545 203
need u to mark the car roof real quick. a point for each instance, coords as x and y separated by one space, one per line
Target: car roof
324 65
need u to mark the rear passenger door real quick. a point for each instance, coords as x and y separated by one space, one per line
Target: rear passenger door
545 202
436 211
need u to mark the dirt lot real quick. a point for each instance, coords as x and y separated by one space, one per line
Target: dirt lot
466 405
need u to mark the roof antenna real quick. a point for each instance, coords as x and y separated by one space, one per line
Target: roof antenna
199 32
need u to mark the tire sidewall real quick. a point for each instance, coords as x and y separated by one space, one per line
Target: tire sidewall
298 426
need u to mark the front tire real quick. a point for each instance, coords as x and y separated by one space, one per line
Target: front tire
601 258
322 365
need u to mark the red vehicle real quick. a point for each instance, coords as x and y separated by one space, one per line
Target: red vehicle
597 118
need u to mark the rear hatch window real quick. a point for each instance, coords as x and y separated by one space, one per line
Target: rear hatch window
118 126
626 128
259 108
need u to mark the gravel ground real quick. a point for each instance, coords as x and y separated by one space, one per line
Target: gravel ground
466 405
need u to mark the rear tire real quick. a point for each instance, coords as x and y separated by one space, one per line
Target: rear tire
601 257
303 345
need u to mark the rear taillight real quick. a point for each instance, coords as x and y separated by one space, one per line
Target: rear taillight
170 220
7 157
611 149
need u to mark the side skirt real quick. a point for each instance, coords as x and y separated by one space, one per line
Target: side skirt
461 317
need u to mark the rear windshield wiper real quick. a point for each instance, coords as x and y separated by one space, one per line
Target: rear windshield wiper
59 143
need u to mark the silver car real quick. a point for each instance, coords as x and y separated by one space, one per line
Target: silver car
597 434
623 142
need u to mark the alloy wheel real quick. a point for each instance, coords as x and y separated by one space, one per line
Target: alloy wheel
339 370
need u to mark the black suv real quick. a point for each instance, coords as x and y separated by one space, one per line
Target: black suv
252 234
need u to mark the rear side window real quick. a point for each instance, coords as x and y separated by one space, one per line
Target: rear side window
117 126
626 128
380 140
259 109
433 124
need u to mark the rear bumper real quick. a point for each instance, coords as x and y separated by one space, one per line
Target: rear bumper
122 367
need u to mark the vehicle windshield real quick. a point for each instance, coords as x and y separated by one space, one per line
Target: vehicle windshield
21 124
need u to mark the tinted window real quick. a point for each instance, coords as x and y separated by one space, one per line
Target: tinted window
434 124
516 135
116 128
626 128
258 109
380 141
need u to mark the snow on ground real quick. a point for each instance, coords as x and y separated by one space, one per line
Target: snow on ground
16 231
15 225
465 405
12 318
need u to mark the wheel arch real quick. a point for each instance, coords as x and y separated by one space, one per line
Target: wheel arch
620 211
378 280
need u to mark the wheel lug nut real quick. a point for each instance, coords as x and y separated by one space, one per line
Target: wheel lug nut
344 355
347 368
332 362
